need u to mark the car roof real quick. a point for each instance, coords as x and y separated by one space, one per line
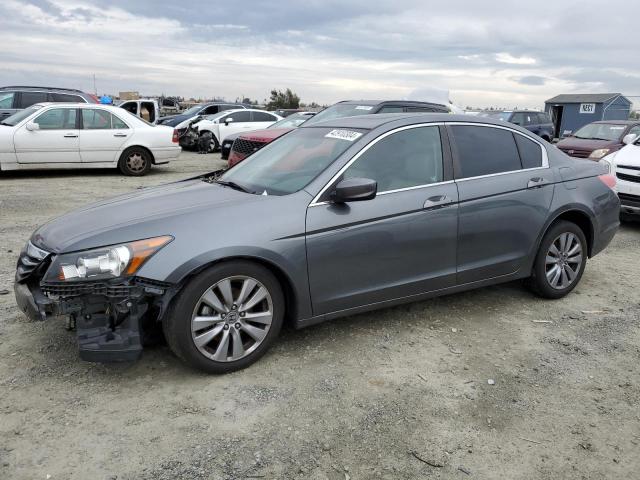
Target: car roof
618 122
52 89
78 104
370 122
388 102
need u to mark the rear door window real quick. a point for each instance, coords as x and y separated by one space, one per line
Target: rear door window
96 119
518 118
530 152
6 99
30 98
262 117
117 123
65 97
484 151
241 116
57 119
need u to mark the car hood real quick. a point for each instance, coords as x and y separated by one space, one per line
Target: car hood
267 134
140 214
628 155
573 143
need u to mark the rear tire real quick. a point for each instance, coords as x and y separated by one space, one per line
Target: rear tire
135 162
560 261
226 317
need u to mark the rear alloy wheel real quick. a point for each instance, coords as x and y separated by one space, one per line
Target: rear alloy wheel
135 162
226 318
560 261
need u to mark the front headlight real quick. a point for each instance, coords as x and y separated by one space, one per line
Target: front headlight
599 153
105 263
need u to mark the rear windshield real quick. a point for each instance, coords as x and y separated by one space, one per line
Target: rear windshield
21 115
340 110
289 163
601 131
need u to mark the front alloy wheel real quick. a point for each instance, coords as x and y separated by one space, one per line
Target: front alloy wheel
226 317
232 318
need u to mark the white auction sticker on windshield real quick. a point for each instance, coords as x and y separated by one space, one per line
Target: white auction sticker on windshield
347 135
364 107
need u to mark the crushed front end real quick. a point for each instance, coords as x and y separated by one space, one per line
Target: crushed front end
108 314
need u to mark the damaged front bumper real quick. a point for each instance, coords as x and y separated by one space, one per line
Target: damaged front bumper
108 317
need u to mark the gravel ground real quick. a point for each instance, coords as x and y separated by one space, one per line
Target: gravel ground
489 384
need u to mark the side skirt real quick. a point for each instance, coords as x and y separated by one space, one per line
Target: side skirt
306 322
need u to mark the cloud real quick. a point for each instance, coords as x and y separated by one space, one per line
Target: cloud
532 80
325 50
504 57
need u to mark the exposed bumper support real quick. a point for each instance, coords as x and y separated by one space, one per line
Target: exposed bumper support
108 320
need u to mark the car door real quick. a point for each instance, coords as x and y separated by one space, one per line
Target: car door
102 135
54 141
261 120
505 190
235 122
399 244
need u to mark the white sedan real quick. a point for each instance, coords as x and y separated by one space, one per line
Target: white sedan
229 122
80 135
625 164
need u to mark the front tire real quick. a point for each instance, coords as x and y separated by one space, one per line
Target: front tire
135 162
560 261
226 318
213 145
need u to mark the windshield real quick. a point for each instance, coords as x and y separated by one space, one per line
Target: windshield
193 110
292 121
498 115
340 110
289 163
600 131
21 115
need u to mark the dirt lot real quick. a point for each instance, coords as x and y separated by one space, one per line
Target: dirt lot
490 384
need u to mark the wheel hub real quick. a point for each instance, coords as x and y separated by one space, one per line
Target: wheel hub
232 318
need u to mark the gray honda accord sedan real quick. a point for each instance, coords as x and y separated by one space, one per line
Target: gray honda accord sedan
344 216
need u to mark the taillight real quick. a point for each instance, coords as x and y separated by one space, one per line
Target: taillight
175 138
608 179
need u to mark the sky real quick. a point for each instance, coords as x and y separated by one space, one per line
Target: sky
484 52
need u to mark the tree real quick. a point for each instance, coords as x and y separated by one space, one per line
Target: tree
286 99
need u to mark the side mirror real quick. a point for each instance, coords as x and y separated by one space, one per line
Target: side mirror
354 190
629 139
228 120
32 126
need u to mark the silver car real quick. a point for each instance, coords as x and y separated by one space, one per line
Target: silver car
340 217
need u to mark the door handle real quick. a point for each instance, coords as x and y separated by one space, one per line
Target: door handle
537 182
70 135
437 201
119 134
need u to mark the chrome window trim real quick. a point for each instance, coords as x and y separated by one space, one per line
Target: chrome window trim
315 201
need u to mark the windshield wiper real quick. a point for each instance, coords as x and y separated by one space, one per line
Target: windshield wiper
234 185
6 124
